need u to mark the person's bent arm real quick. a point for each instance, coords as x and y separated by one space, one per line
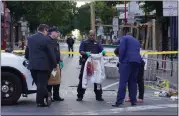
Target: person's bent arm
122 48
81 49
27 53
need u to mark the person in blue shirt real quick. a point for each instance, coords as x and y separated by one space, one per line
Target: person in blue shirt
86 48
130 60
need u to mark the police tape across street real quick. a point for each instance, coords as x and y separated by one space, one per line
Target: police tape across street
111 53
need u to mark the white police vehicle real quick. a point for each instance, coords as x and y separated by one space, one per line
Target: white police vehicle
16 79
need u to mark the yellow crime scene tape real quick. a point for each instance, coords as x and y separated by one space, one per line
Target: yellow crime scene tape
109 53
164 84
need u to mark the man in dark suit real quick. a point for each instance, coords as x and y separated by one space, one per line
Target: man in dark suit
130 60
42 59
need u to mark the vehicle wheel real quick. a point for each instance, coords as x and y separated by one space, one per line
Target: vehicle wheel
11 88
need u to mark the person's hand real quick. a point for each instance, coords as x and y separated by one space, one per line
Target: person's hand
61 64
88 54
55 69
104 52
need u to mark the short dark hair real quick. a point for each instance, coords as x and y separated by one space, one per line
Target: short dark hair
43 27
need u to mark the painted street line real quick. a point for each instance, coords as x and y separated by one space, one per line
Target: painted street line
125 109
108 86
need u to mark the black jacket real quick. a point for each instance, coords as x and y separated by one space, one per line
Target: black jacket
70 41
40 53
56 48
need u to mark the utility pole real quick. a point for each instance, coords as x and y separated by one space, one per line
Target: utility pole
92 17
4 28
125 19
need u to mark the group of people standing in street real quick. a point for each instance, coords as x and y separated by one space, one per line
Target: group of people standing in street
43 54
131 68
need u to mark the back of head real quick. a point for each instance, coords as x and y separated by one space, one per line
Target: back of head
43 27
129 33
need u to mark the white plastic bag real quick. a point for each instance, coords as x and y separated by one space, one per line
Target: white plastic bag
99 71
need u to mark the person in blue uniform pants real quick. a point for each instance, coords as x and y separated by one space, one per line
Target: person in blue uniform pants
130 60
140 79
140 83
87 47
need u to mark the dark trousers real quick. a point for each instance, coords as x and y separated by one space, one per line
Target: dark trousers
41 80
128 74
140 81
81 91
55 88
70 47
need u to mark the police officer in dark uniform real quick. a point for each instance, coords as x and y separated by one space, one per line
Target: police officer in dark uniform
53 34
87 47
70 42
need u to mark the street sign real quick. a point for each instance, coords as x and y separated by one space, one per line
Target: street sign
170 4
170 12
115 26
131 18
170 8
115 21
100 31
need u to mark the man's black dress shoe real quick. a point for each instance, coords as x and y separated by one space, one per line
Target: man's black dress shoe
58 99
133 104
79 99
117 104
48 100
42 105
100 99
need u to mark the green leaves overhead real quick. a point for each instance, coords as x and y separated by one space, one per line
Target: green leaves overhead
149 6
104 10
58 13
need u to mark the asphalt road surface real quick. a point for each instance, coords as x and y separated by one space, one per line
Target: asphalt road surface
89 106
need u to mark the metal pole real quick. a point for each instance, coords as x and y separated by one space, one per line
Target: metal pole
4 32
171 38
125 20
92 17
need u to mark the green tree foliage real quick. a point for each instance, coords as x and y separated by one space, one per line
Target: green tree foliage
162 22
83 18
104 10
113 3
150 6
58 13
